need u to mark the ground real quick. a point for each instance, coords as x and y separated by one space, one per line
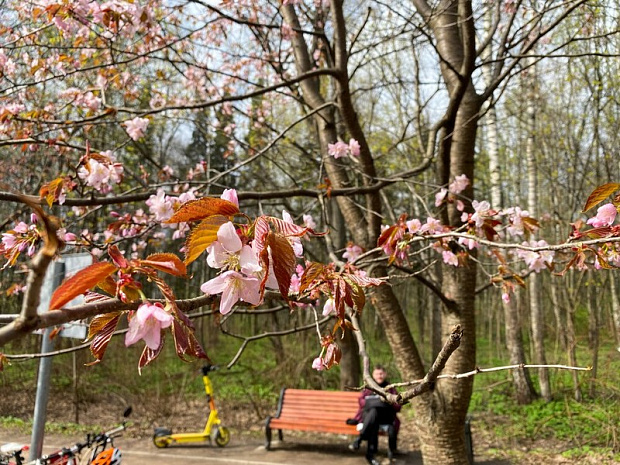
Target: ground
246 423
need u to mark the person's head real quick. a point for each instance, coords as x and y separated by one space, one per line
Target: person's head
379 374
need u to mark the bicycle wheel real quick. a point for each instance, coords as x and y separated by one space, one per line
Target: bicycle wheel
222 437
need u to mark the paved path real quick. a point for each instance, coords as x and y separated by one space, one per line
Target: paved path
240 451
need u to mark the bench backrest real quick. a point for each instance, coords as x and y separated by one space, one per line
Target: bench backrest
309 404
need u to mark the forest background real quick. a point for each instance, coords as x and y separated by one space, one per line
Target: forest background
347 116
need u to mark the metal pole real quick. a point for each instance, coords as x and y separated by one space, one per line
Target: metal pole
43 381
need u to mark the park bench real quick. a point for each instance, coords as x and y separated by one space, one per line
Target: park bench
315 411
324 412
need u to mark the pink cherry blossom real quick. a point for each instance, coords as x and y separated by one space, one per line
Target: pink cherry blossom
234 287
147 323
449 258
469 243
95 174
351 253
309 221
481 211
231 196
506 297
298 248
515 217
136 128
160 205
317 364
536 260
414 225
329 307
459 184
605 216
440 196
354 147
432 226
338 150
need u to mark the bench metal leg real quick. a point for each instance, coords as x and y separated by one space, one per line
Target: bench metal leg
280 437
469 446
268 434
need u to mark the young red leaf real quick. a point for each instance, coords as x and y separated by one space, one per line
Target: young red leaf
365 281
599 194
166 262
261 229
202 236
357 296
311 274
117 257
51 191
290 229
80 282
148 354
199 209
284 261
186 343
101 329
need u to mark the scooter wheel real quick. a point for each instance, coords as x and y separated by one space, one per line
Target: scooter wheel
160 440
222 437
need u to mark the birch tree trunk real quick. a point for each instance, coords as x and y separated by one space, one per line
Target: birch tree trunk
615 308
524 389
536 311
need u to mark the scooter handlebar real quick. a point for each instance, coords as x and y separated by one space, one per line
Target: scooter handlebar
207 368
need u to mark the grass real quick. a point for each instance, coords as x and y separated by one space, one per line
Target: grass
579 429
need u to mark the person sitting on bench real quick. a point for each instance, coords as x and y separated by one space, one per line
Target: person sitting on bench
373 413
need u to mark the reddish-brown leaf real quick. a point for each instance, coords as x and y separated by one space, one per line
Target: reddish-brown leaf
80 282
365 281
283 259
51 191
290 229
99 322
186 343
105 327
599 194
148 354
597 233
386 235
311 274
199 209
117 257
202 236
166 262
108 285
261 230
358 298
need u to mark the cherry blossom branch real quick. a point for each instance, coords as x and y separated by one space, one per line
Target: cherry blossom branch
86 345
489 370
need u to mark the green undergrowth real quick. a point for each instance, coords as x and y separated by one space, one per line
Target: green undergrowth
579 428
25 426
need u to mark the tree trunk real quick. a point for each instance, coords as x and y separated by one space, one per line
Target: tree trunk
536 310
593 333
615 308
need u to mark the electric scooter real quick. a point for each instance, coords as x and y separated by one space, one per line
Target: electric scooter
163 437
